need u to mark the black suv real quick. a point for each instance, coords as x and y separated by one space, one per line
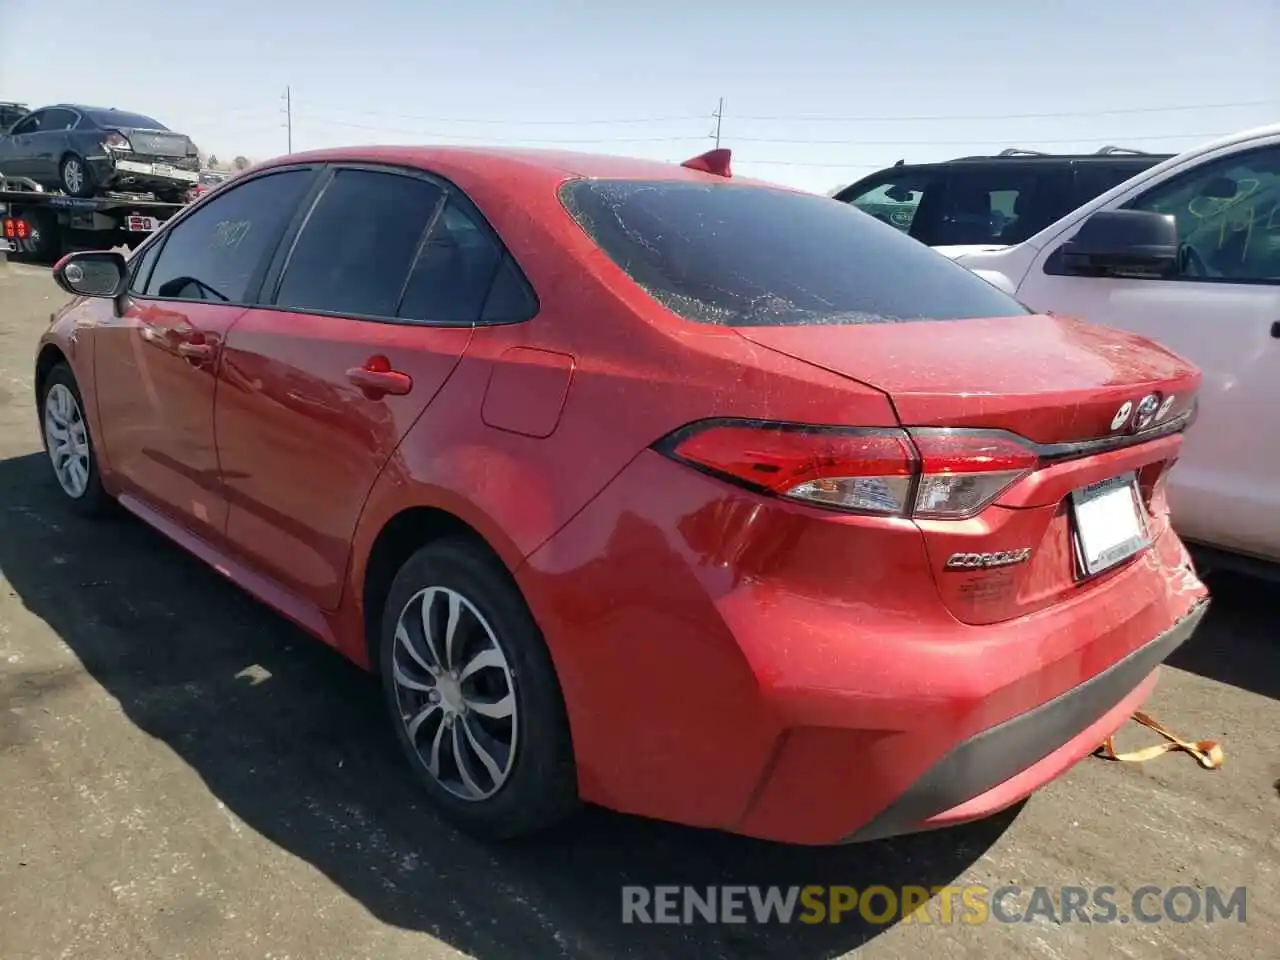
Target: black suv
995 200
11 113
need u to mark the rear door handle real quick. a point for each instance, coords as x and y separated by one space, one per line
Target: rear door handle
376 379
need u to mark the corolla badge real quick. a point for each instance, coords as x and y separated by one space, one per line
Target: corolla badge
1146 412
985 561
1122 415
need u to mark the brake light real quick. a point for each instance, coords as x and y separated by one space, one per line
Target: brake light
926 474
114 140
15 228
963 471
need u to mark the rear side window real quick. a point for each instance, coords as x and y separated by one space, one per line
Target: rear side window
742 255
355 251
454 271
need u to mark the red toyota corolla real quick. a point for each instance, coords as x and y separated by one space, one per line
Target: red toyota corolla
642 485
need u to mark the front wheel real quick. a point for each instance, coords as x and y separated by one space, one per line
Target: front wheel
69 445
473 694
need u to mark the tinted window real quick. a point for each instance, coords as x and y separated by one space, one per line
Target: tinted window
453 274
1228 215
1002 205
511 299
896 201
1095 179
58 120
354 253
29 125
119 118
743 255
214 253
140 271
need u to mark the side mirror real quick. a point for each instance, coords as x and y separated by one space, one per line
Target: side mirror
1123 243
91 274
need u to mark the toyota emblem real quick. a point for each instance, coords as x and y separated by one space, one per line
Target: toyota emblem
1145 414
1122 415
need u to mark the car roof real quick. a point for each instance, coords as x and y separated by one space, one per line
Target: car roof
551 166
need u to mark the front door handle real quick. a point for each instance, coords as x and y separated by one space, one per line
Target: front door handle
195 352
1275 329
376 379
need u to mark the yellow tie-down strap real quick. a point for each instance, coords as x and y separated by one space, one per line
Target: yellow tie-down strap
1208 753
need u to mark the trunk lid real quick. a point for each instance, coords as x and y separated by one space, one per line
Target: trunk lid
1057 382
158 143
1049 379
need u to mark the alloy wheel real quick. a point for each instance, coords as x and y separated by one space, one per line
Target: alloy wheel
67 440
455 693
73 175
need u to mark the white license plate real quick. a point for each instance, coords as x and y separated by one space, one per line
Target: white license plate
136 223
1109 523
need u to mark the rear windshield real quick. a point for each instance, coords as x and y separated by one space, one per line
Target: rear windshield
118 118
740 256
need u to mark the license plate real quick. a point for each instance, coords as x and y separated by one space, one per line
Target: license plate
163 169
1109 523
136 223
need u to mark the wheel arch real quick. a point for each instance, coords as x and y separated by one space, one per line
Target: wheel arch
50 356
402 535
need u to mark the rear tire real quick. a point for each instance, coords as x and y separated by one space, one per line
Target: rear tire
483 722
76 177
69 445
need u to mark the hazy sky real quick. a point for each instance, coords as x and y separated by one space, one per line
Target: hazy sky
816 93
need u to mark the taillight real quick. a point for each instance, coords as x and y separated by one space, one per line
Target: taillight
114 140
15 228
963 471
927 473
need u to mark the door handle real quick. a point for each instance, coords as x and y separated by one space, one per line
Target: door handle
1275 330
195 352
376 379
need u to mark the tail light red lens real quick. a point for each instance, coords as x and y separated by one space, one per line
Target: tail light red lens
115 140
945 474
15 228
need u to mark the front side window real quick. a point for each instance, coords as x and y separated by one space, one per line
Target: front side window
29 124
740 255
1228 214
896 201
215 254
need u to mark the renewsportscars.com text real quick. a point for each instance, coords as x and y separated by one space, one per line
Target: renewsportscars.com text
970 904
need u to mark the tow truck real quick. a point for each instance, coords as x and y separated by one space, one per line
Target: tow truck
39 226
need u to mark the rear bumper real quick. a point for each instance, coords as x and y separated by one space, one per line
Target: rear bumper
965 784
141 172
774 671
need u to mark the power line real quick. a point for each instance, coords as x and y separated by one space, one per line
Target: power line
483 139
513 121
856 142
1127 111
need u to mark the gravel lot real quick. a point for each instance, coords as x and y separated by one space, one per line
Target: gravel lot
184 774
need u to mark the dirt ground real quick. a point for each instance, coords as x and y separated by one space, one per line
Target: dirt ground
184 774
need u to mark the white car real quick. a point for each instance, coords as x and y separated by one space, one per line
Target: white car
1203 280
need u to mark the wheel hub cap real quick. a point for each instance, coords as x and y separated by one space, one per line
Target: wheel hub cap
455 693
67 440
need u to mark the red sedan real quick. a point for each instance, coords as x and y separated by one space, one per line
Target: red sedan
641 484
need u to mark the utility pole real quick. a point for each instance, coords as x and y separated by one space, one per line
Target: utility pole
719 115
288 116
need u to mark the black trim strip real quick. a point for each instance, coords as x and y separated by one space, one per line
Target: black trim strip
991 757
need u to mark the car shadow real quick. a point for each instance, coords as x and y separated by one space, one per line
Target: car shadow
292 739
1236 643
